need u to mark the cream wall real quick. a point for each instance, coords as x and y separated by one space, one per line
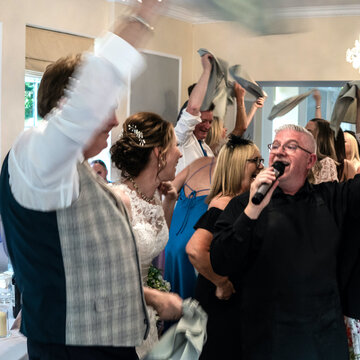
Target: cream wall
317 53
83 17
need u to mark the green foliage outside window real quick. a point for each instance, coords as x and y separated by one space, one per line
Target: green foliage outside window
29 100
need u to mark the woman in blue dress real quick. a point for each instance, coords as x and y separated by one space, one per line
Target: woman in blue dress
194 184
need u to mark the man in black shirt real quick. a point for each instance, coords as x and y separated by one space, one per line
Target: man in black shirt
288 252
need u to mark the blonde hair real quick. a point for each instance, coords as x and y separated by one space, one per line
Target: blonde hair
214 136
230 168
354 155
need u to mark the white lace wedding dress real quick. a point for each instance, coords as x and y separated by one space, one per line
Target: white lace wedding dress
151 233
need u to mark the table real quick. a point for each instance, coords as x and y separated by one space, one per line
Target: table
13 347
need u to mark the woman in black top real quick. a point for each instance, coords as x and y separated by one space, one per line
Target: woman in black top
238 164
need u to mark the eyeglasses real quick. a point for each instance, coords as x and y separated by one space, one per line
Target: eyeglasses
290 147
258 161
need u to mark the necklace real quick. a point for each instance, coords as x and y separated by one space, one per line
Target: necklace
139 192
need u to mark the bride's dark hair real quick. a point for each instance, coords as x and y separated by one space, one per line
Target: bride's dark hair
142 132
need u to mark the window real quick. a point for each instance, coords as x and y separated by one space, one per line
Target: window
303 112
32 81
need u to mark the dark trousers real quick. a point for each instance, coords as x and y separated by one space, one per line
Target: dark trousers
40 351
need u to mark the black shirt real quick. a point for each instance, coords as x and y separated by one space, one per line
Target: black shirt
288 262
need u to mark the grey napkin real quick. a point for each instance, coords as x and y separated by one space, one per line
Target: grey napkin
184 340
219 90
286 105
245 80
345 107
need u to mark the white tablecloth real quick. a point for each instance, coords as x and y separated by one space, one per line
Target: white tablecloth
13 347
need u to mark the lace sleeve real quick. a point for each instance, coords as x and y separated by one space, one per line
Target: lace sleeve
327 172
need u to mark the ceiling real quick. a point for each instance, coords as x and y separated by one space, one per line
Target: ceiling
203 11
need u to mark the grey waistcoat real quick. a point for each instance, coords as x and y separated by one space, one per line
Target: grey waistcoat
104 298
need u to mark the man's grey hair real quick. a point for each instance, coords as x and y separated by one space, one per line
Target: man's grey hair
299 129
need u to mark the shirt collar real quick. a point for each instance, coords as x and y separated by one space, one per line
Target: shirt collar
307 188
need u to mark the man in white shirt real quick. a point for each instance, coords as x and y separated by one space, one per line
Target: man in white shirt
69 239
193 125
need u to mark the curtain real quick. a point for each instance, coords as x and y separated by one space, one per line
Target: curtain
44 47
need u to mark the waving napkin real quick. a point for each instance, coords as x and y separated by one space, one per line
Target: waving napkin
245 80
288 104
345 107
220 90
184 340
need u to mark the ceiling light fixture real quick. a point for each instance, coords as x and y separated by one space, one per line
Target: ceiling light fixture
353 55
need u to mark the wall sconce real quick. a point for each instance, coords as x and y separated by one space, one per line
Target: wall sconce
353 55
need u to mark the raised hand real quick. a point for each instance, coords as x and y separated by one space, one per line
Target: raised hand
206 62
239 91
259 103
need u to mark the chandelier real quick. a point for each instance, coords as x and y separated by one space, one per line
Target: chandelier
353 55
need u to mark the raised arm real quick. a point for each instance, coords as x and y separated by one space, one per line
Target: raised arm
241 122
317 98
171 191
234 228
136 29
44 162
198 94
257 104
170 195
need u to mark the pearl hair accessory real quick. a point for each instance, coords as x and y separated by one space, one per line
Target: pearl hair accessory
137 133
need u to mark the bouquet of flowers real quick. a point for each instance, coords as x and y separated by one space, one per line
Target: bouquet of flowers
156 281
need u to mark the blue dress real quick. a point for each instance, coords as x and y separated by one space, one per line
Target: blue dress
188 210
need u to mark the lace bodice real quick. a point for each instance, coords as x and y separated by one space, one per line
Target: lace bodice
149 225
326 172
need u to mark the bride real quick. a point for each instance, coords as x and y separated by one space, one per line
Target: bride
147 155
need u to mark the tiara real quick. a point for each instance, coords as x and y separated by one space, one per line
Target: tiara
137 133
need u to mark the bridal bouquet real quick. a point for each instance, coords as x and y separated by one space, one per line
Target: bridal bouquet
156 281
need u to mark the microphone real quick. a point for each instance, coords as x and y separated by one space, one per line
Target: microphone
279 168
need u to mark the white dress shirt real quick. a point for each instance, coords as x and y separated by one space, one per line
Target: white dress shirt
42 162
188 143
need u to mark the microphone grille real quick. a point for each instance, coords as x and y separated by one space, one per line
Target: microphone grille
279 166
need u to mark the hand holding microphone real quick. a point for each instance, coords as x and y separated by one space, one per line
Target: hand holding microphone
279 168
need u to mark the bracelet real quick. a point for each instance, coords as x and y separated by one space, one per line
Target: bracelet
141 21
317 107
